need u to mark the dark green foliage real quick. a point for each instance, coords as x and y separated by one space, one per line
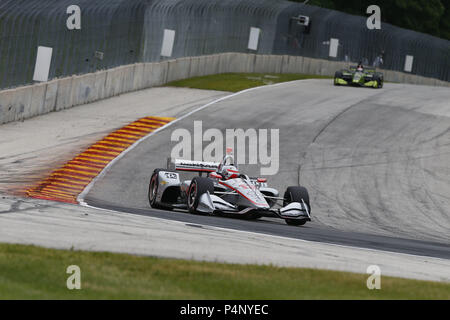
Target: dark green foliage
427 16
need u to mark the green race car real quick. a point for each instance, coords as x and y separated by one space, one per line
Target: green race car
359 76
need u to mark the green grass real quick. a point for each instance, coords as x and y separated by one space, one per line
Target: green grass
235 82
29 272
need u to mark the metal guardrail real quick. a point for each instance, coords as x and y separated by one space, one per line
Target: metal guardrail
119 32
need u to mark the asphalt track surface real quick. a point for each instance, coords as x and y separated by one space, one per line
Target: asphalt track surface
376 163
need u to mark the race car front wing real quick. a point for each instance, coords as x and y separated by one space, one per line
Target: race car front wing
210 203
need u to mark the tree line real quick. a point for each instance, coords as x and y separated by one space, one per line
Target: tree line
427 16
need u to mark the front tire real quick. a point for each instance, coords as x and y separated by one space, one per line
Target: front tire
199 186
296 194
380 81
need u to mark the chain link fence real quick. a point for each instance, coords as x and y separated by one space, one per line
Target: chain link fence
119 32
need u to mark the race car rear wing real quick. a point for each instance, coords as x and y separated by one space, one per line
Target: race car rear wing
191 165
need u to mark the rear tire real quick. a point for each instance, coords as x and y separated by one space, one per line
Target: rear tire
198 187
296 194
337 75
153 191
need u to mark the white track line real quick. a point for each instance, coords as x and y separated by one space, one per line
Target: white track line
88 188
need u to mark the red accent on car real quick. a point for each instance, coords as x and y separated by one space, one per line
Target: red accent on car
226 185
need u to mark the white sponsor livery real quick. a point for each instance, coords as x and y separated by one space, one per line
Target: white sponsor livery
248 190
221 189
190 165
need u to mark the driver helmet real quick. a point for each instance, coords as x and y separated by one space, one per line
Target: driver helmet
230 172
360 67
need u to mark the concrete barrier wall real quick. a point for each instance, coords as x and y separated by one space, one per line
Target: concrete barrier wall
30 101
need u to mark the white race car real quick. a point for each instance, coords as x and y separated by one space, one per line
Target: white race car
224 191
